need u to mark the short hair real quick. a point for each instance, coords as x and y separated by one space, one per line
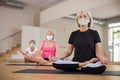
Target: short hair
32 41
50 32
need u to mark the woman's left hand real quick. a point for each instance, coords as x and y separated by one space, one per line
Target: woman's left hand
104 60
52 58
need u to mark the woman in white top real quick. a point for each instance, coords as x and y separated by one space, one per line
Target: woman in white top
30 51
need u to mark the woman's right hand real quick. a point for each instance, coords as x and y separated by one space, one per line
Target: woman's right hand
104 60
93 60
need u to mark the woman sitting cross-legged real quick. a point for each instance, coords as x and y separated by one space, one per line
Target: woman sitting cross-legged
86 44
30 51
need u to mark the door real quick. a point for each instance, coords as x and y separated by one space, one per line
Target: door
116 46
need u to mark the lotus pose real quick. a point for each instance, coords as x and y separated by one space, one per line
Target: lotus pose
87 46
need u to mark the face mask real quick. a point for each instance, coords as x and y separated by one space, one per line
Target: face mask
32 45
83 21
49 37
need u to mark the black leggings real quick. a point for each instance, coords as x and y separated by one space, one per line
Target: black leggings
46 59
94 70
73 67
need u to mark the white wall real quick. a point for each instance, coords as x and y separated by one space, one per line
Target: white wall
64 27
30 33
11 21
100 30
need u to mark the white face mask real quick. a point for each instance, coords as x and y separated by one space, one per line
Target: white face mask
83 21
49 37
32 45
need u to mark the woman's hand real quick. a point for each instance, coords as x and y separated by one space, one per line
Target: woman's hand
104 60
87 62
93 60
52 58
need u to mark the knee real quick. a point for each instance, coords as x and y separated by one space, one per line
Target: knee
101 69
94 70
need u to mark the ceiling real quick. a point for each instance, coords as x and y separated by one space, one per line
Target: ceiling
43 4
105 11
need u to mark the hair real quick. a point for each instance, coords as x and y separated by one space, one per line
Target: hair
89 15
32 41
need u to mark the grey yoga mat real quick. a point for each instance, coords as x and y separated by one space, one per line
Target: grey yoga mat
25 64
44 71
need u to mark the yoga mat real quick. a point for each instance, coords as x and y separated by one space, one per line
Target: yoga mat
44 71
25 64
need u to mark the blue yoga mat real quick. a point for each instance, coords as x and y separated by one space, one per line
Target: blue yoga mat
44 71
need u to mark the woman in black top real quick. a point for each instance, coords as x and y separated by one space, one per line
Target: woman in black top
86 44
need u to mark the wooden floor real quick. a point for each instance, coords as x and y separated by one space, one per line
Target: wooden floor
6 73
